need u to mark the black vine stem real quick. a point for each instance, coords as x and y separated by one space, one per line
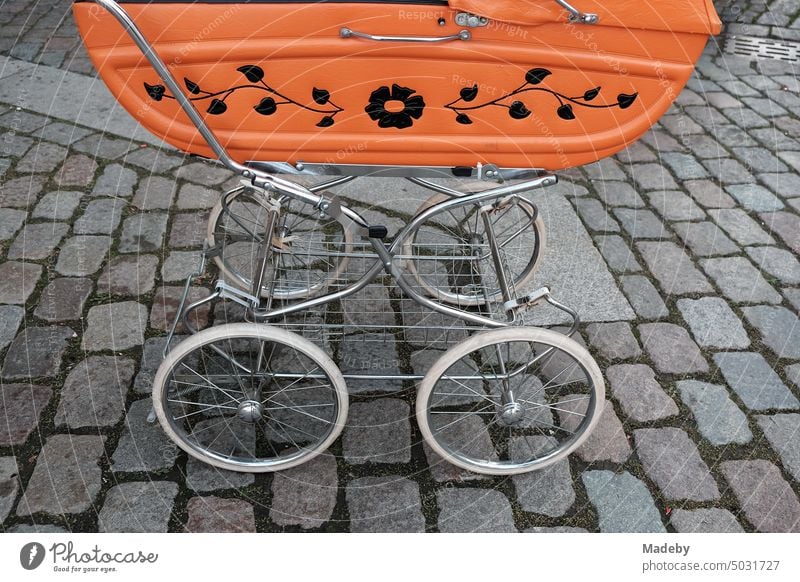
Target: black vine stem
559 96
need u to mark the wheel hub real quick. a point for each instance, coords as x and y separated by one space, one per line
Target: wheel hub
511 413
250 411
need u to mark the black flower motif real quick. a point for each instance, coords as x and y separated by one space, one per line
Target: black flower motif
412 107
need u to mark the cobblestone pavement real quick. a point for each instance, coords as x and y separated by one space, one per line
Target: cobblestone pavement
699 224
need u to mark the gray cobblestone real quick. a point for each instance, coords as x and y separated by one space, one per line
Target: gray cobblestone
179 265
712 520
143 446
188 230
784 185
102 145
63 133
154 193
793 295
718 418
638 392
595 216
673 268
67 477
58 205
115 326
143 233
607 442
653 177
779 263
740 281
786 225
713 323
384 504
115 181
20 409
203 173
83 255
644 297
617 254
21 192
779 328
77 170
623 503
474 510
708 194
556 529
305 495
17 281
63 299
128 275
41 159
36 352
378 432
100 217
618 194
154 160
370 352
94 392
684 166
740 227
165 308
9 485
11 317
214 514
671 349
138 507
640 223
10 222
547 491
782 431
37 241
754 197
675 205
442 471
192 197
152 355
756 383
705 239
614 341
766 498
671 459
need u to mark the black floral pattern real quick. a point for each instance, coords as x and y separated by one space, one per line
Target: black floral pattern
413 105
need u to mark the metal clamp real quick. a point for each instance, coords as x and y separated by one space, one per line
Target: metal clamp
529 300
236 295
348 33
470 20
576 15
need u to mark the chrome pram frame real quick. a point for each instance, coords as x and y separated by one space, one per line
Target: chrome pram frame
222 374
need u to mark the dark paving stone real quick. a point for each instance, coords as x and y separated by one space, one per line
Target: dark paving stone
782 431
204 173
138 507
755 197
77 170
305 495
115 181
115 326
672 267
713 323
786 225
21 192
82 255
100 217
10 222
547 491
644 297
179 265
708 194
20 409
104 146
623 503
595 216
740 281
779 263
37 241
18 281
384 504
194 197
638 392
214 514
63 299
370 353
671 459
766 498
607 442
94 392
154 193
36 352
377 432
640 223
779 328
9 485
132 275
11 317
67 477
43 158
618 194
58 205
712 520
705 239
754 380
143 233
675 205
671 349
143 446
614 341
718 418
740 227
154 160
474 510
152 356
188 230
617 254
165 308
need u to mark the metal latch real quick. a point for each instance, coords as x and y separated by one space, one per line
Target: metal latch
471 20
529 300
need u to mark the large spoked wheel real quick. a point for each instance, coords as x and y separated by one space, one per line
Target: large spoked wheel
450 257
250 398
309 249
510 400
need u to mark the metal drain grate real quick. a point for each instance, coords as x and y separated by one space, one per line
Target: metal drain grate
762 48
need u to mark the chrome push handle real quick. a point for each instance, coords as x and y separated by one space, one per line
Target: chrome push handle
576 15
349 33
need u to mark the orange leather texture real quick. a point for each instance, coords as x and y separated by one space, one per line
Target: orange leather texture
276 82
697 16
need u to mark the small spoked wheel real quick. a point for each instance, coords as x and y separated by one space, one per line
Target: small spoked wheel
309 249
250 398
510 400
449 255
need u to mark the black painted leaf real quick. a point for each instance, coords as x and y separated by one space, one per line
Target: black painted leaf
254 73
626 100
193 87
518 110
266 106
326 121
536 76
464 119
156 92
469 93
217 107
591 94
321 96
565 111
